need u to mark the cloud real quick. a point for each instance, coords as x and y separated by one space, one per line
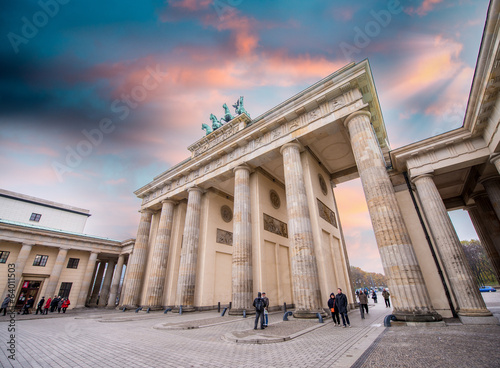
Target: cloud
424 8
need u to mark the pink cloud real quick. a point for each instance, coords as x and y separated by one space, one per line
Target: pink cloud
191 5
423 9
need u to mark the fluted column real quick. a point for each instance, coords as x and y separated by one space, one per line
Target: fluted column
483 232
56 273
158 269
469 300
306 290
189 252
411 301
495 160
116 282
97 285
106 285
87 277
242 280
492 187
137 263
20 263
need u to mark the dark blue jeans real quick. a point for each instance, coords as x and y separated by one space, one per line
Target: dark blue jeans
257 316
345 318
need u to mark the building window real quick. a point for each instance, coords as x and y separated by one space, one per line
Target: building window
40 260
3 256
35 217
73 262
65 289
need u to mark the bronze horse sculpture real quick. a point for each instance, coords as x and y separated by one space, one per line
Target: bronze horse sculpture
227 115
238 107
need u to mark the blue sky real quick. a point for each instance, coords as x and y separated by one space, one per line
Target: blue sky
97 98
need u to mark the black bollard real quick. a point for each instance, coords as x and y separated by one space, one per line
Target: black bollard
286 315
230 305
218 307
147 311
167 310
284 307
244 313
138 309
124 309
180 309
319 317
223 312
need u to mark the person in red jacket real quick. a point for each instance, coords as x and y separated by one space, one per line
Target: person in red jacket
65 304
47 306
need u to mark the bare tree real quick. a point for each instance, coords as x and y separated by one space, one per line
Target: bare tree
479 262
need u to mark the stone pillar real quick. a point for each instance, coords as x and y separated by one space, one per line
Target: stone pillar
106 285
411 301
306 290
51 288
137 263
495 160
97 285
158 269
20 263
116 282
467 296
492 187
482 230
242 280
87 277
189 251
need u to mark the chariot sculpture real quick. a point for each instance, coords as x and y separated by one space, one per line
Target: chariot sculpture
216 123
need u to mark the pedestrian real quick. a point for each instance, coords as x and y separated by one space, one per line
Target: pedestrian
374 296
341 304
60 304
40 305
266 310
54 303
334 310
28 305
259 305
65 304
363 304
386 295
5 305
47 306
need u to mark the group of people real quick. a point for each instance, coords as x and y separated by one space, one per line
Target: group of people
57 303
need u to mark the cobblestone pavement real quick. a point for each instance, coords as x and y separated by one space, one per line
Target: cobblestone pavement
116 339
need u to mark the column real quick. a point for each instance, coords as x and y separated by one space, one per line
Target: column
189 251
411 301
495 160
242 280
116 282
306 290
483 232
97 285
467 296
87 277
21 260
106 285
51 288
492 187
158 269
137 263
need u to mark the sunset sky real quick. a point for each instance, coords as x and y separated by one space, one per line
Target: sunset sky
148 74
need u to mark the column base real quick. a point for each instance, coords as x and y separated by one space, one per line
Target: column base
155 308
417 316
185 309
483 312
130 306
307 313
486 320
239 312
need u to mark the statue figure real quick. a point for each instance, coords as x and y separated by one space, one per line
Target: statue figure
216 124
206 128
227 115
239 109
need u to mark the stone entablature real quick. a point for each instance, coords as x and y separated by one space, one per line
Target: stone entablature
327 101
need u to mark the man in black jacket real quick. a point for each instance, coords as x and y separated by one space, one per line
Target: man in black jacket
341 303
259 305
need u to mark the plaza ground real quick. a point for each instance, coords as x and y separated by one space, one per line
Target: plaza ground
205 339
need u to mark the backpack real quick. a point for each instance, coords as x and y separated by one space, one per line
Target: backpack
259 305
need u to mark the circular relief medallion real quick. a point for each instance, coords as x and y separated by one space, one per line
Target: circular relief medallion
226 213
322 184
275 199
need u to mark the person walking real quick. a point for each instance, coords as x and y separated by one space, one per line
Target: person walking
334 310
5 305
60 304
259 305
266 310
40 305
341 304
374 296
65 304
54 303
28 305
386 296
47 306
363 304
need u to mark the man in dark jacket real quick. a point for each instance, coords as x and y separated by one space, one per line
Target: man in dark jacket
341 303
386 296
54 303
334 310
363 304
39 306
28 305
259 305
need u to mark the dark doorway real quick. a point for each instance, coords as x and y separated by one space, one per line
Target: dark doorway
28 288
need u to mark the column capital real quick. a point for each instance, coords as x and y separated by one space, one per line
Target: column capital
168 200
494 157
355 114
25 244
478 195
291 144
146 211
489 178
426 175
242 167
195 189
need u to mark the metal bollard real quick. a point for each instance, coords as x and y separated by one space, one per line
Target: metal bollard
388 319
286 315
284 307
230 305
319 317
223 312
244 313
167 310
180 309
138 309
218 307
124 309
147 311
